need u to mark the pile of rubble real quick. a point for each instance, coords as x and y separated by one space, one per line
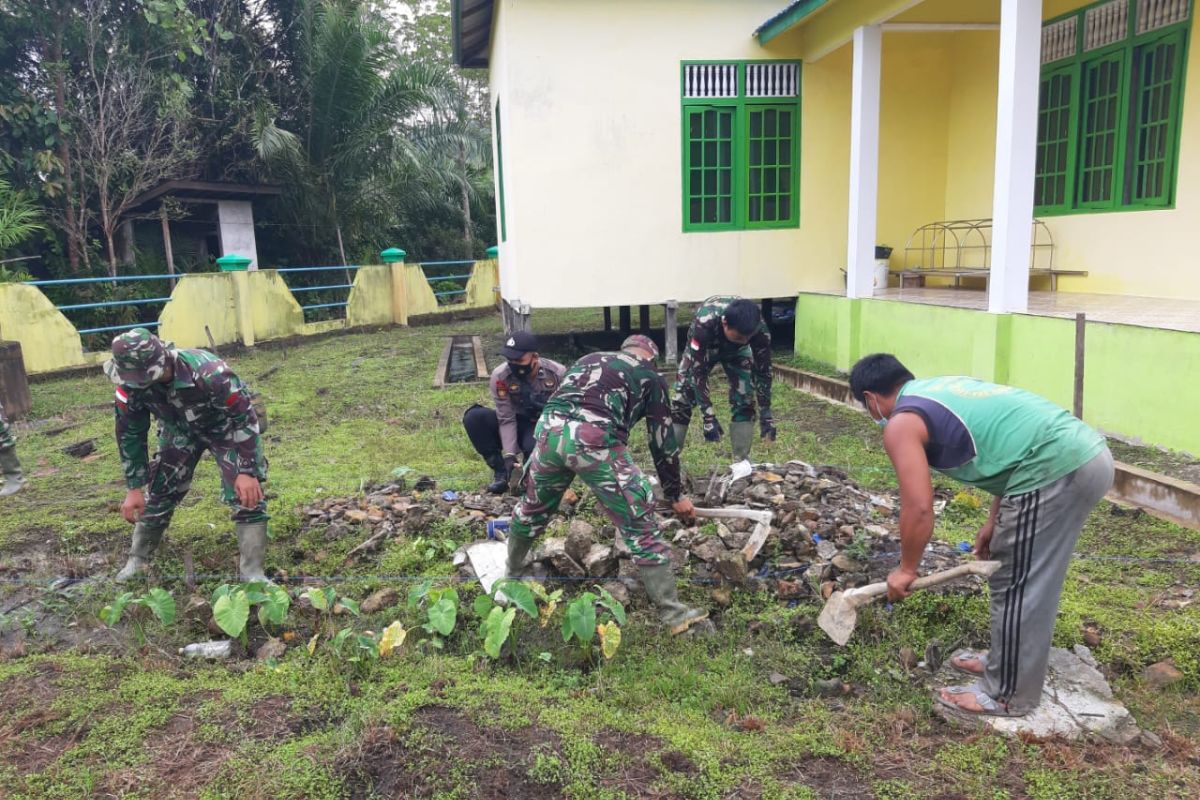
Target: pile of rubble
826 533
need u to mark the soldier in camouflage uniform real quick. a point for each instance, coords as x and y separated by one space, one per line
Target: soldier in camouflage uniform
583 431
10 466
729 331
200 405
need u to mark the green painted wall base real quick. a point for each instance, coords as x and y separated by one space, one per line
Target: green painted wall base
1137 381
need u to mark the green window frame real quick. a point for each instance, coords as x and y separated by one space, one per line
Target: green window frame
741 147
1109 113
500 177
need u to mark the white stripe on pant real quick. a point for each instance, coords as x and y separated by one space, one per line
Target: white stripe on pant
1034 539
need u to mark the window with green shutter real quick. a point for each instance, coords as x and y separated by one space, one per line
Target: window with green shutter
741 145
1109 106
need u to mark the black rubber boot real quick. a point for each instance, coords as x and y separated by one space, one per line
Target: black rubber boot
499 484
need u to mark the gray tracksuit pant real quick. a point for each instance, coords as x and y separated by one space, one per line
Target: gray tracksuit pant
1034 539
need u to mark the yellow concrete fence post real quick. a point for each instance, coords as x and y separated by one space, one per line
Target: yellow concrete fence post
236 266
394 258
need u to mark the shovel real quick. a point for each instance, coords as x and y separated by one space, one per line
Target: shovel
840 613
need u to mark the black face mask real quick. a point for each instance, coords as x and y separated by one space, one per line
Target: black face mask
521 371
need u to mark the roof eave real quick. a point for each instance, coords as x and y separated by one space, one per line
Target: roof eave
788 18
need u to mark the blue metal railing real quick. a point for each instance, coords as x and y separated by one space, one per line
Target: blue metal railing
432 279
340 290
143 301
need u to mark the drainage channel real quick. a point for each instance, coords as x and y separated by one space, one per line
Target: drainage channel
1171 499
461 362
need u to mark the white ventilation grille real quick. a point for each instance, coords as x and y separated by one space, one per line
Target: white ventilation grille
1155 14
772 80
710 80
1106 24
1059 40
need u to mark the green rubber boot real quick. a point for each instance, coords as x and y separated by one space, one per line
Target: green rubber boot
518 549
680 433
252 549
659 582
144 543
741 435
10 466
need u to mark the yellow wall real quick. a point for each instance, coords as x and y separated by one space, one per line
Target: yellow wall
275 312
590 96
200 300
48 340
370 301
1148 253
269 311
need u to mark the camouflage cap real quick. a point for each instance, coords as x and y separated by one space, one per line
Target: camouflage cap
641 341
140 357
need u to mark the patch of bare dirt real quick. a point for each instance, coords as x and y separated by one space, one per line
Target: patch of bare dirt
433 757
181 762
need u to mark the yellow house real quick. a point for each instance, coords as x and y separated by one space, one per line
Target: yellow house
649 150
656 150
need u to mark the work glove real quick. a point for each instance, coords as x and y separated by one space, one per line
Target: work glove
766 425
712 430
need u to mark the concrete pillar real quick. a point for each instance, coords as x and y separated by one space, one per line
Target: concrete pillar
671 334
236 266
864 161
235 225
394 258
1016 152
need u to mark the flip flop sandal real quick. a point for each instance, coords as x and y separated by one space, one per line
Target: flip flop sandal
988 705
968 655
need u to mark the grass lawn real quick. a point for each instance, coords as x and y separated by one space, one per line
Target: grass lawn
89 711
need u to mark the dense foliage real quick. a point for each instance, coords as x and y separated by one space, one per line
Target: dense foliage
352 107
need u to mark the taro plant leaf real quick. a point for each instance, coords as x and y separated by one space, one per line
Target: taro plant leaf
546 656
231 613
519 594
483 605
339 639
221 591
111 614
612 604
444 614
610 638
581 615
318 599
497 626
418 592
161 603
392 638
312 643
351 606
275 608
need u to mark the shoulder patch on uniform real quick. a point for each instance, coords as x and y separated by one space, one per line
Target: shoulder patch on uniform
122 398
695 345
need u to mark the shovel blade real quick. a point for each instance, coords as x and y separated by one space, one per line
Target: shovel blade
838 618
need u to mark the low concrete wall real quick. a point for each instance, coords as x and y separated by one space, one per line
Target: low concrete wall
1137 381
235 307
1167 497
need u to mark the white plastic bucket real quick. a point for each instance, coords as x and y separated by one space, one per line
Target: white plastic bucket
881 274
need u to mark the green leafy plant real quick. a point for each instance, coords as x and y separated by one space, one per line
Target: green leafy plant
497 623
441 610
231 605
582 622
159 601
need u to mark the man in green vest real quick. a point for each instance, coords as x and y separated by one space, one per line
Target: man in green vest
1046 471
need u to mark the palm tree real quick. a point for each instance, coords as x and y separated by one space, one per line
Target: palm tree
18 217
359 129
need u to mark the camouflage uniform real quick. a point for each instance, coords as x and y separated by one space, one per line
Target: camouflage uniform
205 406
584 430
748 367
6 437
10 465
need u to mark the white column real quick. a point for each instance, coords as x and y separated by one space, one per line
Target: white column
235 223
864 161
1016 146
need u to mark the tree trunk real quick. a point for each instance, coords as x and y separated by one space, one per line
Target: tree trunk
468 244
64 150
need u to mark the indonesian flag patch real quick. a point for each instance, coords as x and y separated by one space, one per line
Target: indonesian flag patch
695 344
122 398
